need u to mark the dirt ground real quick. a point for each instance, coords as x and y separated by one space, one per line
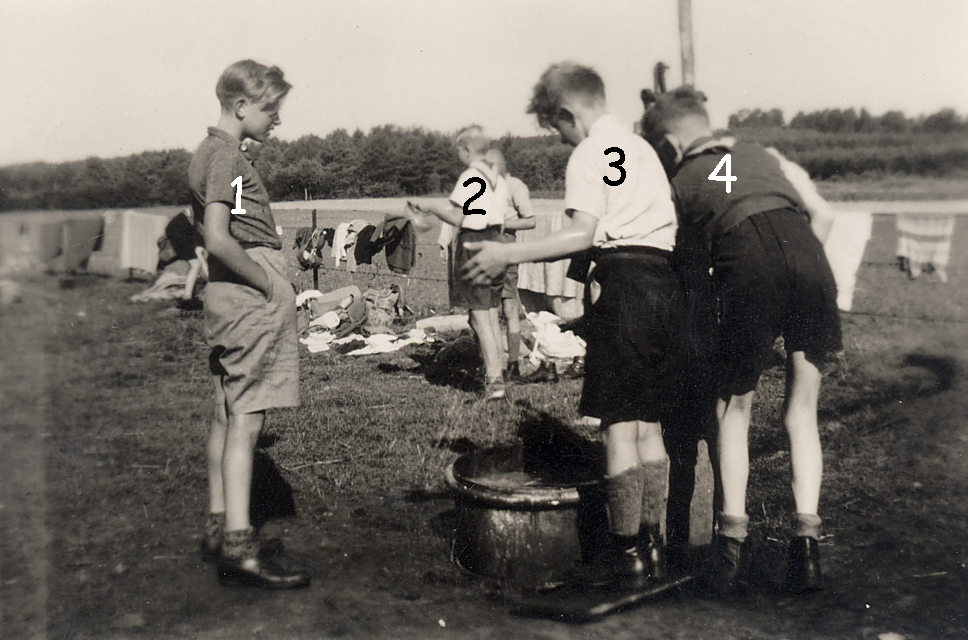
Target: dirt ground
103 406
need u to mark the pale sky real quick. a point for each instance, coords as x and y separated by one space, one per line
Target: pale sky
107 78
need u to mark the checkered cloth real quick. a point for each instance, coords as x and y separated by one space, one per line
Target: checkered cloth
924 243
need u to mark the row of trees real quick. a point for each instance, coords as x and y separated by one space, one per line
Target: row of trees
850 121
395 161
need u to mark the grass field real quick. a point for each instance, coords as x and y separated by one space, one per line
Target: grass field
106 405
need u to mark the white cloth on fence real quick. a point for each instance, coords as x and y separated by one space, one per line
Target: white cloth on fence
924 242
845 248
547 277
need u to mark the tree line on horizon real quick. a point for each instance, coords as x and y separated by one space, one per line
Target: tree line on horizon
390 161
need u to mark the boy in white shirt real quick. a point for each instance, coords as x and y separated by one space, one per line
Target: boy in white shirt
477 207
619 201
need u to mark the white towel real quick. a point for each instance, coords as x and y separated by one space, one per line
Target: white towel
845 249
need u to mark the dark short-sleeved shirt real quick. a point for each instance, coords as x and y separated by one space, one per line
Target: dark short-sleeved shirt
217 163
706 208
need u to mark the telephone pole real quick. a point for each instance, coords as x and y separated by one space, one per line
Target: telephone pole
685 42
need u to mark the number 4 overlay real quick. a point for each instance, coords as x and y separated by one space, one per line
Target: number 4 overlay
728 178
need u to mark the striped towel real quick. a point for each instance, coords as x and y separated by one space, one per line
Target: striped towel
924 243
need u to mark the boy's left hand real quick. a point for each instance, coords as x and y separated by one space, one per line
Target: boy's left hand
489 261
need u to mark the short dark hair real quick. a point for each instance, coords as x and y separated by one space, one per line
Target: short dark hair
561 80
671 107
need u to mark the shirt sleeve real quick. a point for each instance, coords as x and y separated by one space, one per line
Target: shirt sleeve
584 187
806 189
222 172
521 198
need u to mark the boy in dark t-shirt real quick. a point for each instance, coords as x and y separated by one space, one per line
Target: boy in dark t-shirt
765 247
250 317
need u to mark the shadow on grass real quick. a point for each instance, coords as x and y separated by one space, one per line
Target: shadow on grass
903 385
271 494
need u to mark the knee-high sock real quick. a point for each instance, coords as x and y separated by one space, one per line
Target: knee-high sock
624 493
655 494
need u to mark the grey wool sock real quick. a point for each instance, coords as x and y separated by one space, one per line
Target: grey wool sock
733 526
240 545
624 494
655 493
807 525
214 529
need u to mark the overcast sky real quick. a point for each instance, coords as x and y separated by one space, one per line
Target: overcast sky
106 78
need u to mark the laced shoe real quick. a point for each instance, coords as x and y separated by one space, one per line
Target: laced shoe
652 550
803 567
239 563
730 566
575 370
546 372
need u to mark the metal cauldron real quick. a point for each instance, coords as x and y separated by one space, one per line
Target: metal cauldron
523 520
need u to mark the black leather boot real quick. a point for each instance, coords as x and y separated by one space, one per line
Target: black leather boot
576 370
546 372
240 563
730 566
514 372
652 550
803 567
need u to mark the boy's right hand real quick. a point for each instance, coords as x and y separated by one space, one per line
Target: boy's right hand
489 261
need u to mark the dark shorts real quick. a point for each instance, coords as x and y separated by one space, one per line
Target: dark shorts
634 351
509 290
772 279
463 293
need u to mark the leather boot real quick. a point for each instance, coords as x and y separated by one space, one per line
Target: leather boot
546 372
514 372
803 567
652 550
576 370
730 566
240 564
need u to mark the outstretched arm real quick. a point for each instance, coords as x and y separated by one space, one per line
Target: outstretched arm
493 257
445 210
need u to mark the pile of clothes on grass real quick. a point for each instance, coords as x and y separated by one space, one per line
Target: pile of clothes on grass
353 323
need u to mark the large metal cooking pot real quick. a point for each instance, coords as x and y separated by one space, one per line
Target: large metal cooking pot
523 522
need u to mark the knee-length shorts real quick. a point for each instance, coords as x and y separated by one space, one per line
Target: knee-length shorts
772 279
254 355
632 330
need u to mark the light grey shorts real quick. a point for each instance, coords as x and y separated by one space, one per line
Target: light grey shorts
255 353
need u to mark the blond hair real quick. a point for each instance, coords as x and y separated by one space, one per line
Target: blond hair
253 81
473 138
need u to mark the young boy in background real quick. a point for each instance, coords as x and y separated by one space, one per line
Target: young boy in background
477 208
519 215
764 237
250 316
617 196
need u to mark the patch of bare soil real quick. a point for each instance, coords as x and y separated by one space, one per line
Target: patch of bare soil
119 424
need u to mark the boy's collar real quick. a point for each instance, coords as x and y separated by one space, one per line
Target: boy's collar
222 134
705 143
490 174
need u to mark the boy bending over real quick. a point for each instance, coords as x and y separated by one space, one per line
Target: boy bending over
764 239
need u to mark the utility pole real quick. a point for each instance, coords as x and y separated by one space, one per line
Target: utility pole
685 42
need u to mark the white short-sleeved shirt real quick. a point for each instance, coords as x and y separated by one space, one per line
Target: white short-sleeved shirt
493 200
637 212
519 199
